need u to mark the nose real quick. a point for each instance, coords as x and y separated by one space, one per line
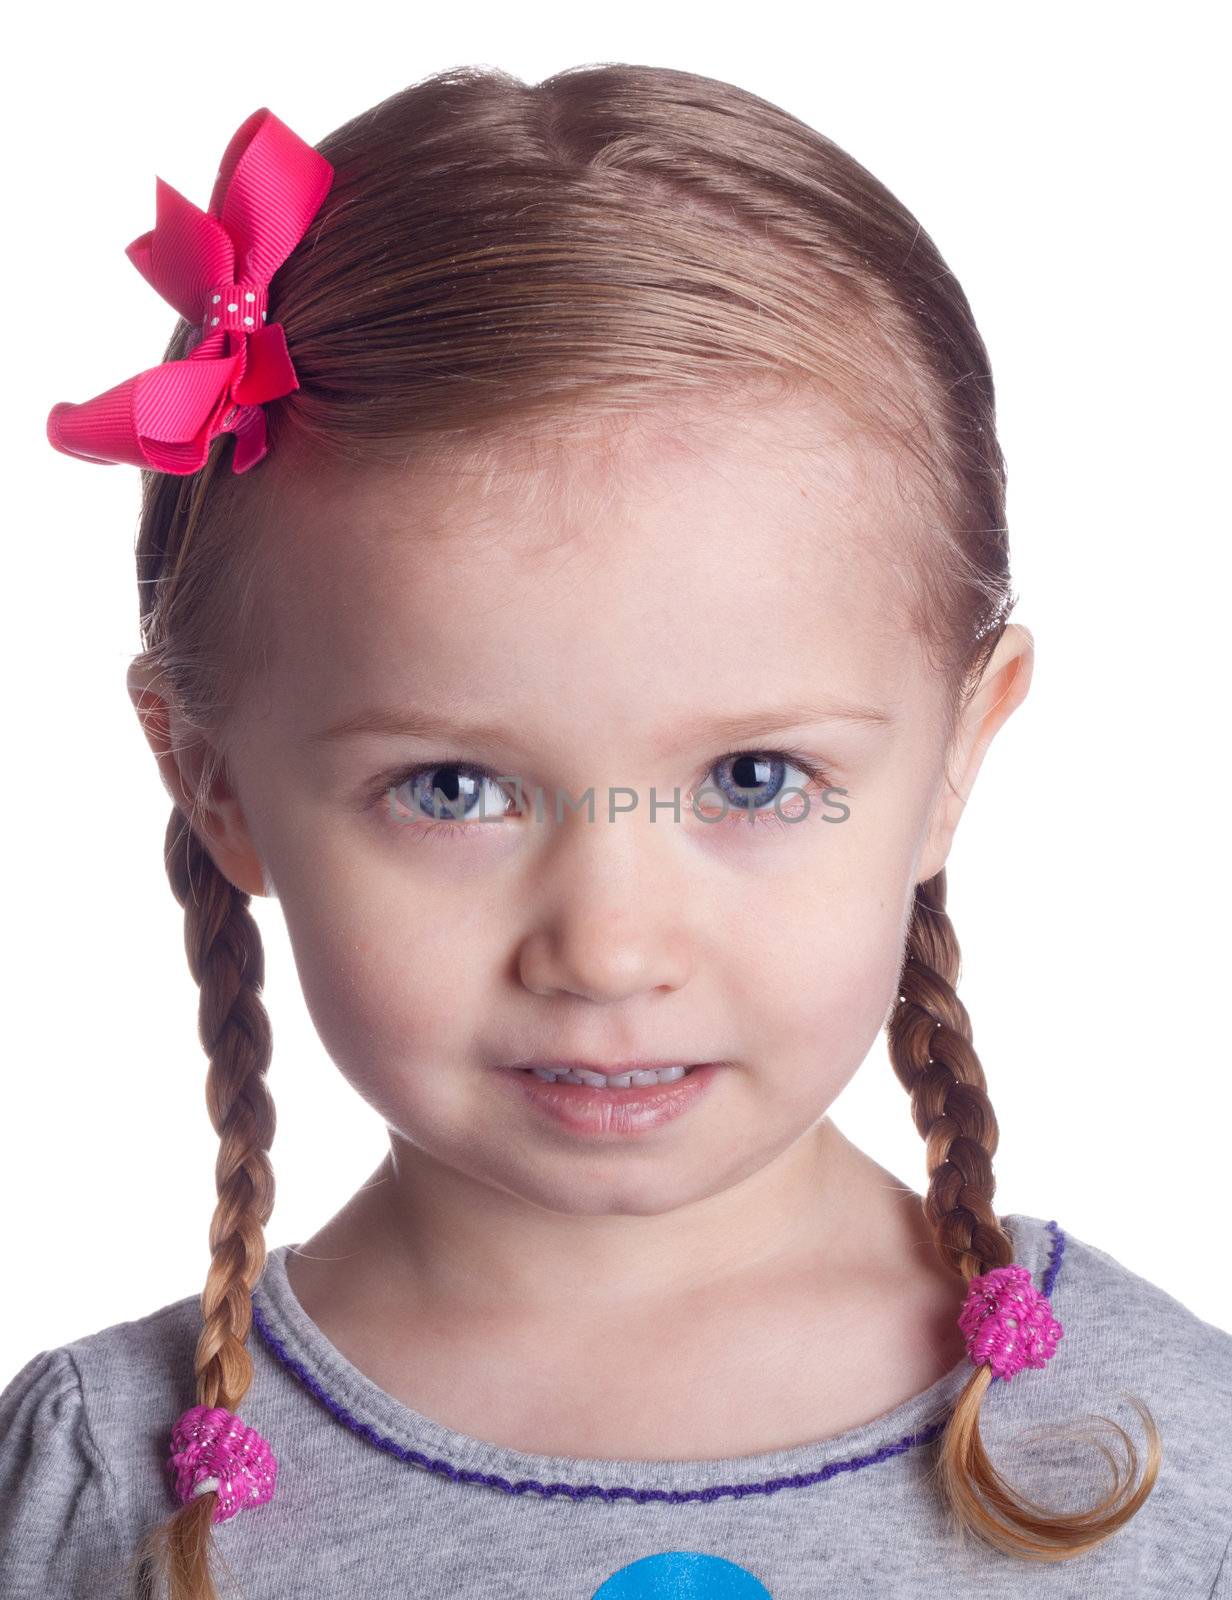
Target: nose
611 921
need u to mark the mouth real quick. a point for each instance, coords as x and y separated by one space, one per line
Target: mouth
615 1105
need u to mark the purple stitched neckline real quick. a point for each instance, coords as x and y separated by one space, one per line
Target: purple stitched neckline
596 1491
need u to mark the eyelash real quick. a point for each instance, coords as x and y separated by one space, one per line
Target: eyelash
818 777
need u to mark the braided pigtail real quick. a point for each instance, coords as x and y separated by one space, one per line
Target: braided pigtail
226 958
929 1035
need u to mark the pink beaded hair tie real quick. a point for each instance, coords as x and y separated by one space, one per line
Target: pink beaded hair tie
212 1449
1008 1323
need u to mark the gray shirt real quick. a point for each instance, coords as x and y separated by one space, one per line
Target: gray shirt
375 1500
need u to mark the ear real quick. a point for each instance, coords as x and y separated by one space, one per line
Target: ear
181 756
1002 689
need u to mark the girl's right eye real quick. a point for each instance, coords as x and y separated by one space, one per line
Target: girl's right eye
447 796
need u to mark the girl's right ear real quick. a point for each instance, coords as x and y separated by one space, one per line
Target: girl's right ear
181 755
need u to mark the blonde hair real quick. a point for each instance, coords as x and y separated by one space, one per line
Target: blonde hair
612 240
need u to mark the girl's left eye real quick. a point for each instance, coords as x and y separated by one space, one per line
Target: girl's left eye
747 786
760 789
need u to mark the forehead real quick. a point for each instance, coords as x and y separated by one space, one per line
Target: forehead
704 546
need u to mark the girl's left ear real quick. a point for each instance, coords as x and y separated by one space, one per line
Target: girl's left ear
217 816
1003 688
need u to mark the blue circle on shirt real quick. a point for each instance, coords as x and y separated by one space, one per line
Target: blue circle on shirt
682 1575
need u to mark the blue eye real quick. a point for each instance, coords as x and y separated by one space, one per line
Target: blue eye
445 793
758 779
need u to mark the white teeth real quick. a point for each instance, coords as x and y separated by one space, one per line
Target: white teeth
624 1080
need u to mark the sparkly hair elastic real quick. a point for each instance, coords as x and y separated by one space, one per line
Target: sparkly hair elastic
214 267
212 1449
1007 1322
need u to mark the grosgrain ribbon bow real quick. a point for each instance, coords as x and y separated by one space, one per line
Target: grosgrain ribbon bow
214 267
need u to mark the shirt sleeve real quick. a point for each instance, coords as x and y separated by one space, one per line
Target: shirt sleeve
59 1531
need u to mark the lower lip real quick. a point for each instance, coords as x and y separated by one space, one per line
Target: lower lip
605 1114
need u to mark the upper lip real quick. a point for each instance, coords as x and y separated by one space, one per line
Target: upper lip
608 1069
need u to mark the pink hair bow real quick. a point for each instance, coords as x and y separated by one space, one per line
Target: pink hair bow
214 267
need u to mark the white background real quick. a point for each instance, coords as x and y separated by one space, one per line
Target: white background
1068 163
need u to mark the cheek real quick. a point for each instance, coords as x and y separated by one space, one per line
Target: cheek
827 979
386 977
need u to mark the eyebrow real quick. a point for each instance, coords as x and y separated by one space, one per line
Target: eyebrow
406 723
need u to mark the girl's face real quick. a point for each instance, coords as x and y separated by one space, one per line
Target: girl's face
597 622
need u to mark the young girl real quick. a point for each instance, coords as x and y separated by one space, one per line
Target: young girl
595 668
